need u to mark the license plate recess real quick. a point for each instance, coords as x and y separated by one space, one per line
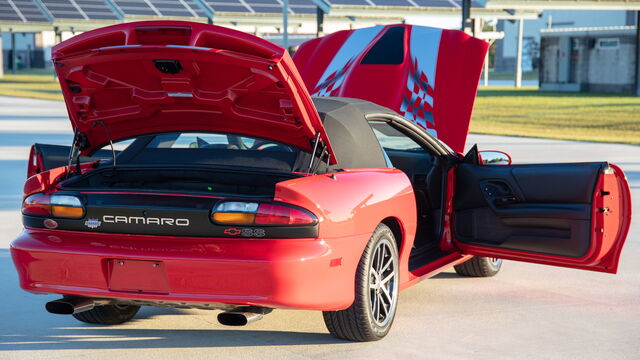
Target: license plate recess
141 276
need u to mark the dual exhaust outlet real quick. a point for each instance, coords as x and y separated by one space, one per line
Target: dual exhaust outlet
239 316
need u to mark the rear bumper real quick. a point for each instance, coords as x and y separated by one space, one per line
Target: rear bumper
280 273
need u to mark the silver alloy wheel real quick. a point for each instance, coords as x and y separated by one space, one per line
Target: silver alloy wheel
495 262
383 283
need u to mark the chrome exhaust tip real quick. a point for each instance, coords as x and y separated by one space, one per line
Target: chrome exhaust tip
242 316
70 305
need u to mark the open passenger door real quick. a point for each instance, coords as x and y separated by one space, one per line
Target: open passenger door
571 215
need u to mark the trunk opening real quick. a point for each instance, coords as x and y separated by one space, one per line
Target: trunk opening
212 181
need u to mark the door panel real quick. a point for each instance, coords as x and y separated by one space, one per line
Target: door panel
573 215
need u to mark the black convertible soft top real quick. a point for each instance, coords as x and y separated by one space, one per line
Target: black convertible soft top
353 141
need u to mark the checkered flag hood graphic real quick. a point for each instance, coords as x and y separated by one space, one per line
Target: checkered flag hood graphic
417 100
331 85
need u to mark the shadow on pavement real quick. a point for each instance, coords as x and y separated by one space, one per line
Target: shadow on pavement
448 275
114 337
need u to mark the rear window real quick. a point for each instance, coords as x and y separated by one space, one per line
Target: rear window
218 149
215 141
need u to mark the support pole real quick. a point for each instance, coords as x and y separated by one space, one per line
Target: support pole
319 22
638 53
1 58
519 54
466 16
486 69
57 35
285 24
14 56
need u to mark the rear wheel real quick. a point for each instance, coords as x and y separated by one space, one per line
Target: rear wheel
479 266
108 314
370 316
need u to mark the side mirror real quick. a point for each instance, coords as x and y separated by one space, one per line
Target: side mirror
492 157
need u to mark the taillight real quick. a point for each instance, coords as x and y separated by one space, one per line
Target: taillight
252 213
235 212
282 215
64 206
36 204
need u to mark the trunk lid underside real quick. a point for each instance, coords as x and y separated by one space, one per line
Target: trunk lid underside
132 79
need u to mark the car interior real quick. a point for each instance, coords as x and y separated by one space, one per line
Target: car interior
425 172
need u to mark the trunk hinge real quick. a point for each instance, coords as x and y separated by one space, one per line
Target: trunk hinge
80 142
320 151
113 151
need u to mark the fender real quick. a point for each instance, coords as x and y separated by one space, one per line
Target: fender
349 205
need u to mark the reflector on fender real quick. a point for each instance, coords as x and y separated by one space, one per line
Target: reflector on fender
251 213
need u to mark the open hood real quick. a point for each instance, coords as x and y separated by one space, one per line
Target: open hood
428 75
131 79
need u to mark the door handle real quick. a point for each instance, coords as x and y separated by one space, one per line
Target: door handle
506 200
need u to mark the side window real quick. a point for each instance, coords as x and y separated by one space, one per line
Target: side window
394 140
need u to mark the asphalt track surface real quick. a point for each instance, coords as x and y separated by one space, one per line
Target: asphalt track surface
526 311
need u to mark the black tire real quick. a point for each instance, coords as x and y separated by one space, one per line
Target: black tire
479 266
358 322
108 314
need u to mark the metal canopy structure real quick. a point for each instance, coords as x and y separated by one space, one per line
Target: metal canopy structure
82 15
20 11
564 4
38 15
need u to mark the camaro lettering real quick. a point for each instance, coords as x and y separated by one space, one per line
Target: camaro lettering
135 219
113 219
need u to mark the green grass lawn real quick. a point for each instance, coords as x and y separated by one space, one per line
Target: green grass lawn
557 115
37 84
527 75
498 110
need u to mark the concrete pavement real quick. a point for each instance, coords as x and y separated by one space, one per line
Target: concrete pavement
526 311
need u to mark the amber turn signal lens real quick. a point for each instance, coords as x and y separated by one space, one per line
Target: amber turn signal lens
233 218
67 211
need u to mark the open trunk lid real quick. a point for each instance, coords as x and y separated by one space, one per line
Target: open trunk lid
131 79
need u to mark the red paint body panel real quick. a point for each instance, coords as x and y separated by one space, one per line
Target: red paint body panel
434 86
355 202
228 81
281 273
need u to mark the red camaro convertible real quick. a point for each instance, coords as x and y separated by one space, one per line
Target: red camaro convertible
204 175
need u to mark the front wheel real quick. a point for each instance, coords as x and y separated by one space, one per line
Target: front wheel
370 316
479 266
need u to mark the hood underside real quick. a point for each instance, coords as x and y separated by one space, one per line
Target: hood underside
132 79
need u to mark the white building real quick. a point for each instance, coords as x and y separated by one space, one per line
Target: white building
554 19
